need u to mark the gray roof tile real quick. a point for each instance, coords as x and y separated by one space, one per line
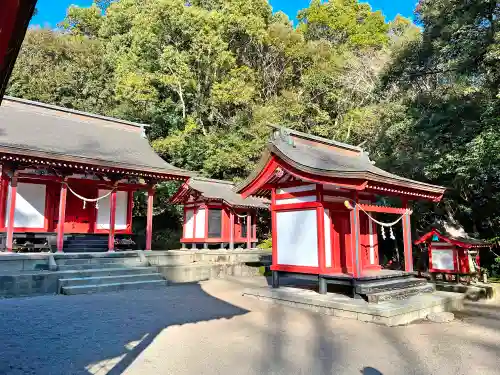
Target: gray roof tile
56 132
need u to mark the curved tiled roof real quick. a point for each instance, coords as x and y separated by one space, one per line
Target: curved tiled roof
41 130
322 157
217 190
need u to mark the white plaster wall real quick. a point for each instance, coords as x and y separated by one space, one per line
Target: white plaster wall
297 238
296 200
188 229
30 206
296 189
200 223
328 240
442 259
104 210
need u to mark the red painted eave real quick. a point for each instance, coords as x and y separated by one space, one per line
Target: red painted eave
15 16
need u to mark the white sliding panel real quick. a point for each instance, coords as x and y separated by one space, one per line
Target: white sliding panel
200 223
296 200
30 206
371 232
297 189
328 240
188 228
297 238
105 206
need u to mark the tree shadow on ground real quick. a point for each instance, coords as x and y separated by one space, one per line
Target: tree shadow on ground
96 334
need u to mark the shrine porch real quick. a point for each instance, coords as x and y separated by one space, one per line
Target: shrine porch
371 286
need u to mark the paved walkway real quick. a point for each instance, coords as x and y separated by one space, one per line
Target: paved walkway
211 329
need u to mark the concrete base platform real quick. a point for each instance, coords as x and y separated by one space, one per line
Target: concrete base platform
473 292
388 313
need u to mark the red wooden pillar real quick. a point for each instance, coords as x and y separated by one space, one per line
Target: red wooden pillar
62 217
274 231
149 222
355 241
249 230
320 222
231 229
112 219
408 252
12 211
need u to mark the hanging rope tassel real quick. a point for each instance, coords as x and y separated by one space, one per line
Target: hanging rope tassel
391 233
84 204
383 232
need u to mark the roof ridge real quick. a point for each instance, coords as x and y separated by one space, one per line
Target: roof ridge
318 139
73 111
199 178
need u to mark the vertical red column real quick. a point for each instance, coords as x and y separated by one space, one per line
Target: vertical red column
231 229
355 240
12 210
274 232
408 252
149 220
112 219
249 230
320 221
62 217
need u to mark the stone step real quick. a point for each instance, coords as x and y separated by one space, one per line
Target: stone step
86 244
84 250
390 284
113 287
79 261
399 294
106 272
64 267
98 280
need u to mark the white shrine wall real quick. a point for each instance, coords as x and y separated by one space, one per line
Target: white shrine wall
297 238
103 212
30 206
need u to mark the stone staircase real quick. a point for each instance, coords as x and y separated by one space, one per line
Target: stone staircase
86 243
83 276
393 288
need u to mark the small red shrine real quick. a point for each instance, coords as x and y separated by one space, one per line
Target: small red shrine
323 196
215 214
67 173
454 253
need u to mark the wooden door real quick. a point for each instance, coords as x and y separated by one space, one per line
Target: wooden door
80 219
341 241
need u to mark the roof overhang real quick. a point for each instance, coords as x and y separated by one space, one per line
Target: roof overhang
82 164
428 237
273 164
185 192
15 16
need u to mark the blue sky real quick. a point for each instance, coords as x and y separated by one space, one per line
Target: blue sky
50 12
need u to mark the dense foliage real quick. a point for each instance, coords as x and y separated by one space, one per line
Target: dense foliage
210 75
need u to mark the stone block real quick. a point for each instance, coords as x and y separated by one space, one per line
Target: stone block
365 317
441 317
346 314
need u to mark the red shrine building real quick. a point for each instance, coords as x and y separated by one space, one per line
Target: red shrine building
452 252
323 196
214 214
67 175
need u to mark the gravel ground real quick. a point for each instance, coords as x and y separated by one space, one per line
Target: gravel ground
211 329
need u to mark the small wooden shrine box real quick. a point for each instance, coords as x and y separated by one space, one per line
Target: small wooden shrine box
452 255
